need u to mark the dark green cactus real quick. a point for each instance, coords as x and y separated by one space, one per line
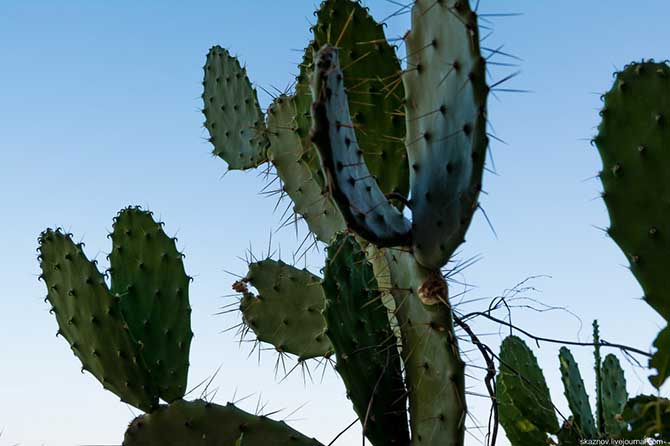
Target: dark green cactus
127 338
203 423
287 312
372 78
614 396
526 410
363 204
90 319
365 346
661 359
631 140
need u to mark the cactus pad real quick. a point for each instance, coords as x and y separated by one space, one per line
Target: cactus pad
614 395
233 117
290 152
434 369
575 392
647 417
446 141
365 346
363 204
148 275
525 384
520 430
90 319
287 312
200 423
372 81
632 139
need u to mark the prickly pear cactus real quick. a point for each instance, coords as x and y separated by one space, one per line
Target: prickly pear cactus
90 319
372 79
365 346
445 111
292 155
287 312
363 204
134 339
201 423
232 115
148 274
632 137
614 396
575 393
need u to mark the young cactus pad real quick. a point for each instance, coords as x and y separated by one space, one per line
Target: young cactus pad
575 393
632 139
135 339
200 423
445 106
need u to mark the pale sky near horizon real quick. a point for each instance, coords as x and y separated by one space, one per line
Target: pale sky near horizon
99 109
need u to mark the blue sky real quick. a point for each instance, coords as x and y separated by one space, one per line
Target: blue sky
99 109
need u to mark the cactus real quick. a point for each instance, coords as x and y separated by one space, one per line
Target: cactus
89 317
575 393
527 413
292 156
614 395
631 138
647 416
233 117
338 142
288 311
117 335
523 382
199 422
148 274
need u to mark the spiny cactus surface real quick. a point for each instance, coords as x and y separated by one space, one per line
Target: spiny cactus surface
365 346
232 115
135 339
200 423
632 140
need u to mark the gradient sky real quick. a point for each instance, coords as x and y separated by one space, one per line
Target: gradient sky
99 109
